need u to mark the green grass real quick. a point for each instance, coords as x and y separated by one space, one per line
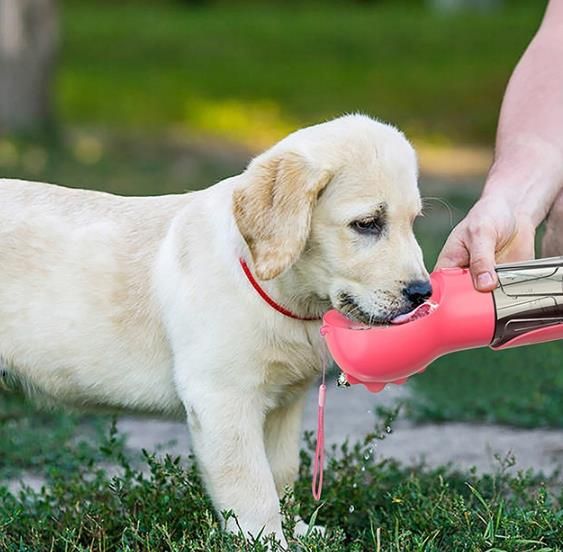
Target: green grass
251 72
32 438
520 387
368 504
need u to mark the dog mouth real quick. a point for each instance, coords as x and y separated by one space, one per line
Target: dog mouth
417 313
350 308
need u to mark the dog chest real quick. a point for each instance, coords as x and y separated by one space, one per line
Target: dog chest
289 375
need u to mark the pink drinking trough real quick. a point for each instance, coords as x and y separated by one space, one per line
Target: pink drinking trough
525 308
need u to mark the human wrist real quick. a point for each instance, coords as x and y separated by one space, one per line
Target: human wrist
527 177
522 203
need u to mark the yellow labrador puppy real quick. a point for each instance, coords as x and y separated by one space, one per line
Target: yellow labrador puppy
208 303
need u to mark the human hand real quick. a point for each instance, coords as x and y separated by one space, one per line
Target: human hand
491 232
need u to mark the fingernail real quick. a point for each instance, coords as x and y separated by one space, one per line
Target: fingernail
484 280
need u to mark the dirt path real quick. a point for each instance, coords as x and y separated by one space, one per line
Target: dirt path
350 414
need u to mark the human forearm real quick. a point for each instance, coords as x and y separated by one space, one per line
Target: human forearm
528 166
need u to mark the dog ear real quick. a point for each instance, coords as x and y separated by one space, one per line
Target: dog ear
273 211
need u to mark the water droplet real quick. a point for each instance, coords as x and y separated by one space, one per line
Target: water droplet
351 509
368 453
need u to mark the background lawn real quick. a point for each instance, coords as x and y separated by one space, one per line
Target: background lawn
252 71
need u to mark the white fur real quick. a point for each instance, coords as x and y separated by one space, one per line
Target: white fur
141 303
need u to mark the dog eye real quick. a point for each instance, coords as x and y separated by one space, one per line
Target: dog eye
369 226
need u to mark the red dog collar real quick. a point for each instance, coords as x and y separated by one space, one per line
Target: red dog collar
266 297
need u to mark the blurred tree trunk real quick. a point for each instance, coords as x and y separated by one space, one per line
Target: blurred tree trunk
28 43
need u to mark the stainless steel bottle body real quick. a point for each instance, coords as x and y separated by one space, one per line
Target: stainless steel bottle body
529 297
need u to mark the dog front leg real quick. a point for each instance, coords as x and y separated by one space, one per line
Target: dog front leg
282 432
227 429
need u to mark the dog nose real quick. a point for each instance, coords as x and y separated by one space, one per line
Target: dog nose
418 291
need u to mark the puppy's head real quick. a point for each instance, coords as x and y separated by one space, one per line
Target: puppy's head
336 202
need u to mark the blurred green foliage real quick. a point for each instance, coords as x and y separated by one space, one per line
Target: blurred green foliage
120 162
520 387
252 71
33 438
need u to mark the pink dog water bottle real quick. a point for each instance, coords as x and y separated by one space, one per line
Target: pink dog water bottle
525 308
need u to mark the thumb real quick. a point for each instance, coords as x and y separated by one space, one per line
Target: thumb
481 249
